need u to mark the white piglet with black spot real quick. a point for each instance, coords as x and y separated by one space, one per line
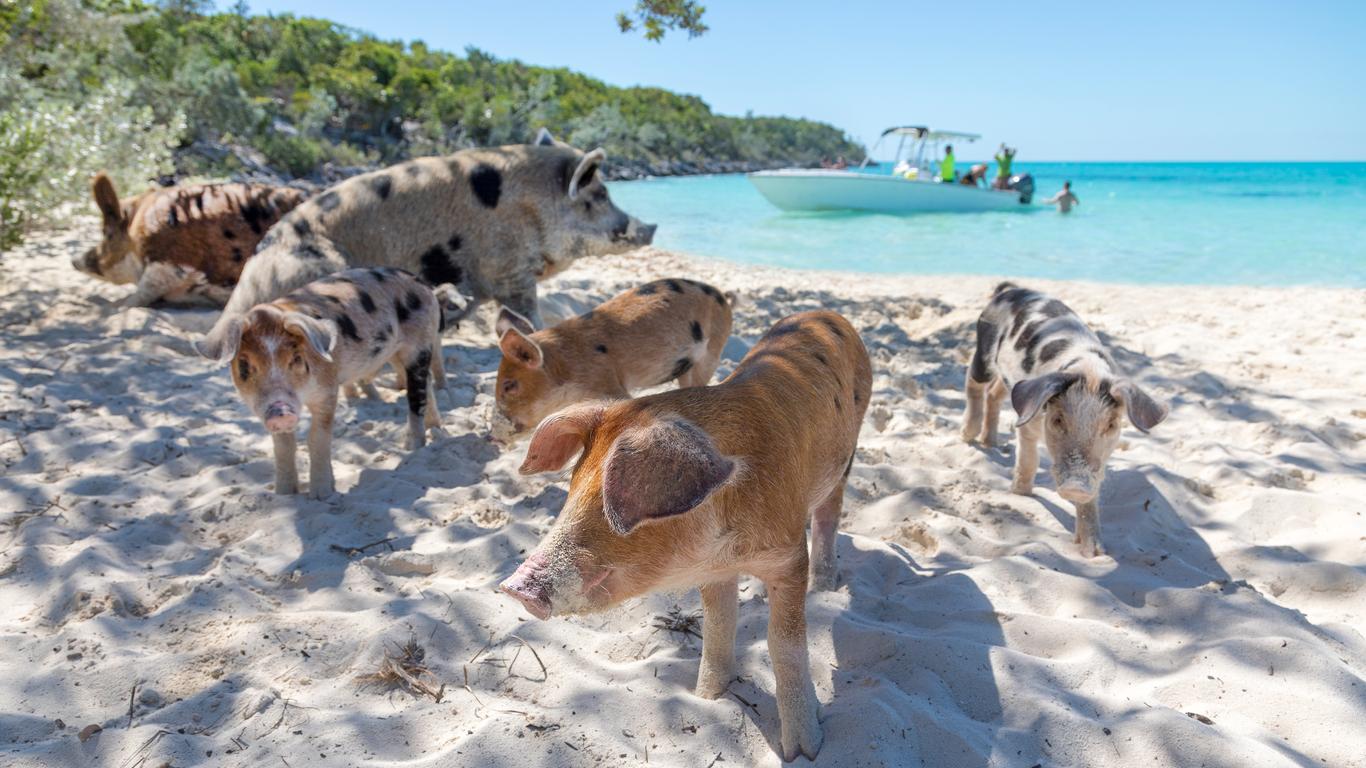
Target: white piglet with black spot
301 349
1065 388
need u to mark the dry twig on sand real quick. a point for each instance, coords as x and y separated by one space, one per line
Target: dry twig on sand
683 623
360 550
405 668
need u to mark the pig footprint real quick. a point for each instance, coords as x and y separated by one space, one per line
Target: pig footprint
881 416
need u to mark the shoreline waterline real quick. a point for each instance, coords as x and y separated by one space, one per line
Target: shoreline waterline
1258 224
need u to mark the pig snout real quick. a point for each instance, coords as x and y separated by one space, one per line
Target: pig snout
86 262
531 587
504 428
634 233
280 417
1076 482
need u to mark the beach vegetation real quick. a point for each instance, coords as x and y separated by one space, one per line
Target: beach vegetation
143 90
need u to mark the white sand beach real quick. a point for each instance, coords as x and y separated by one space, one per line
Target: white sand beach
159 605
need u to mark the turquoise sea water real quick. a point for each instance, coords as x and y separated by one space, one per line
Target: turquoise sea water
1226 223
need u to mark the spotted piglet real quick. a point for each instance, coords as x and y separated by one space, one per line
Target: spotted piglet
1064 387
692 487
659 332
301 349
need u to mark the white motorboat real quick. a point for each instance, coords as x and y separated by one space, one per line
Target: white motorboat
912 186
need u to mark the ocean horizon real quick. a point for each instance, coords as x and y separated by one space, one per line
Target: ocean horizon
1196 223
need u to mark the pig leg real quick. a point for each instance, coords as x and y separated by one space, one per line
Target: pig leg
419 390
155 282
995 395
286 468
320 481
975 393
825 521
798 709
1088 529
438 366
440 385
701 372
1026 457
365 386
720 609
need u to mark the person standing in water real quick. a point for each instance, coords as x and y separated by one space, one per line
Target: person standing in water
1004 157
1064 199
946 165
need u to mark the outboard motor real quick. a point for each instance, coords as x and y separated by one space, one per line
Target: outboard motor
1024 184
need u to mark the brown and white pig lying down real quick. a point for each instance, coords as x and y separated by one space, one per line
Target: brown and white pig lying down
299 350
693 487
489 221
183 245
647 336
1064 387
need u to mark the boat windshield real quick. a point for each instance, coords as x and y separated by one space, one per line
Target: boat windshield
918 149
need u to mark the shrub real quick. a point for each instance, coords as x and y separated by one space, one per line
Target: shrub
51 146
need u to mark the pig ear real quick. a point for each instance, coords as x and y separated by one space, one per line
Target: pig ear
106 198
518 346
559 437
543 138
320 334
221 345
1144 412
510 319
583 175
660 470
1031 395
232 339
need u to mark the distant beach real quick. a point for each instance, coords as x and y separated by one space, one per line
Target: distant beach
1173 223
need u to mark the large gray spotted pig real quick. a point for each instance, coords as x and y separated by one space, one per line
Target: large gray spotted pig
662 331
340 330
491 222
692 487
1065 388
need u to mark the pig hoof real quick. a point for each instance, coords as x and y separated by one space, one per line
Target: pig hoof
969 435
711 686
286 487
322 492
805 740
1023 489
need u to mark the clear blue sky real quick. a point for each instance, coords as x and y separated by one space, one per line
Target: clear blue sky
1153 80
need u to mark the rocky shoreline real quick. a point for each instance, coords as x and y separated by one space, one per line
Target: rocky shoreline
254 167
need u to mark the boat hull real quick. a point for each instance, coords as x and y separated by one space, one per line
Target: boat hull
794 190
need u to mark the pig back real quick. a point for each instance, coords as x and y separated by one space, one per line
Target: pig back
212 228
795 404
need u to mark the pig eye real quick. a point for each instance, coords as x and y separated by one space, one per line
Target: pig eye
298 360
509 386
1056 420
243 370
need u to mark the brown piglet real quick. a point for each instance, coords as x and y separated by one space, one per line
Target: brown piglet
693 487
647 336
301 349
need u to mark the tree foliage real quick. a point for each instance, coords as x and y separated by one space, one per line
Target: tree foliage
303 92
656 17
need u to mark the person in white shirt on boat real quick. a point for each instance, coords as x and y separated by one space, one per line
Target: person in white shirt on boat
1065 200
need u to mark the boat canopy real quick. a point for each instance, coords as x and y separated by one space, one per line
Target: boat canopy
922 132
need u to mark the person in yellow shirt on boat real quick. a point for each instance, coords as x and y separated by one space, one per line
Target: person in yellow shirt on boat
1005 156
946 165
